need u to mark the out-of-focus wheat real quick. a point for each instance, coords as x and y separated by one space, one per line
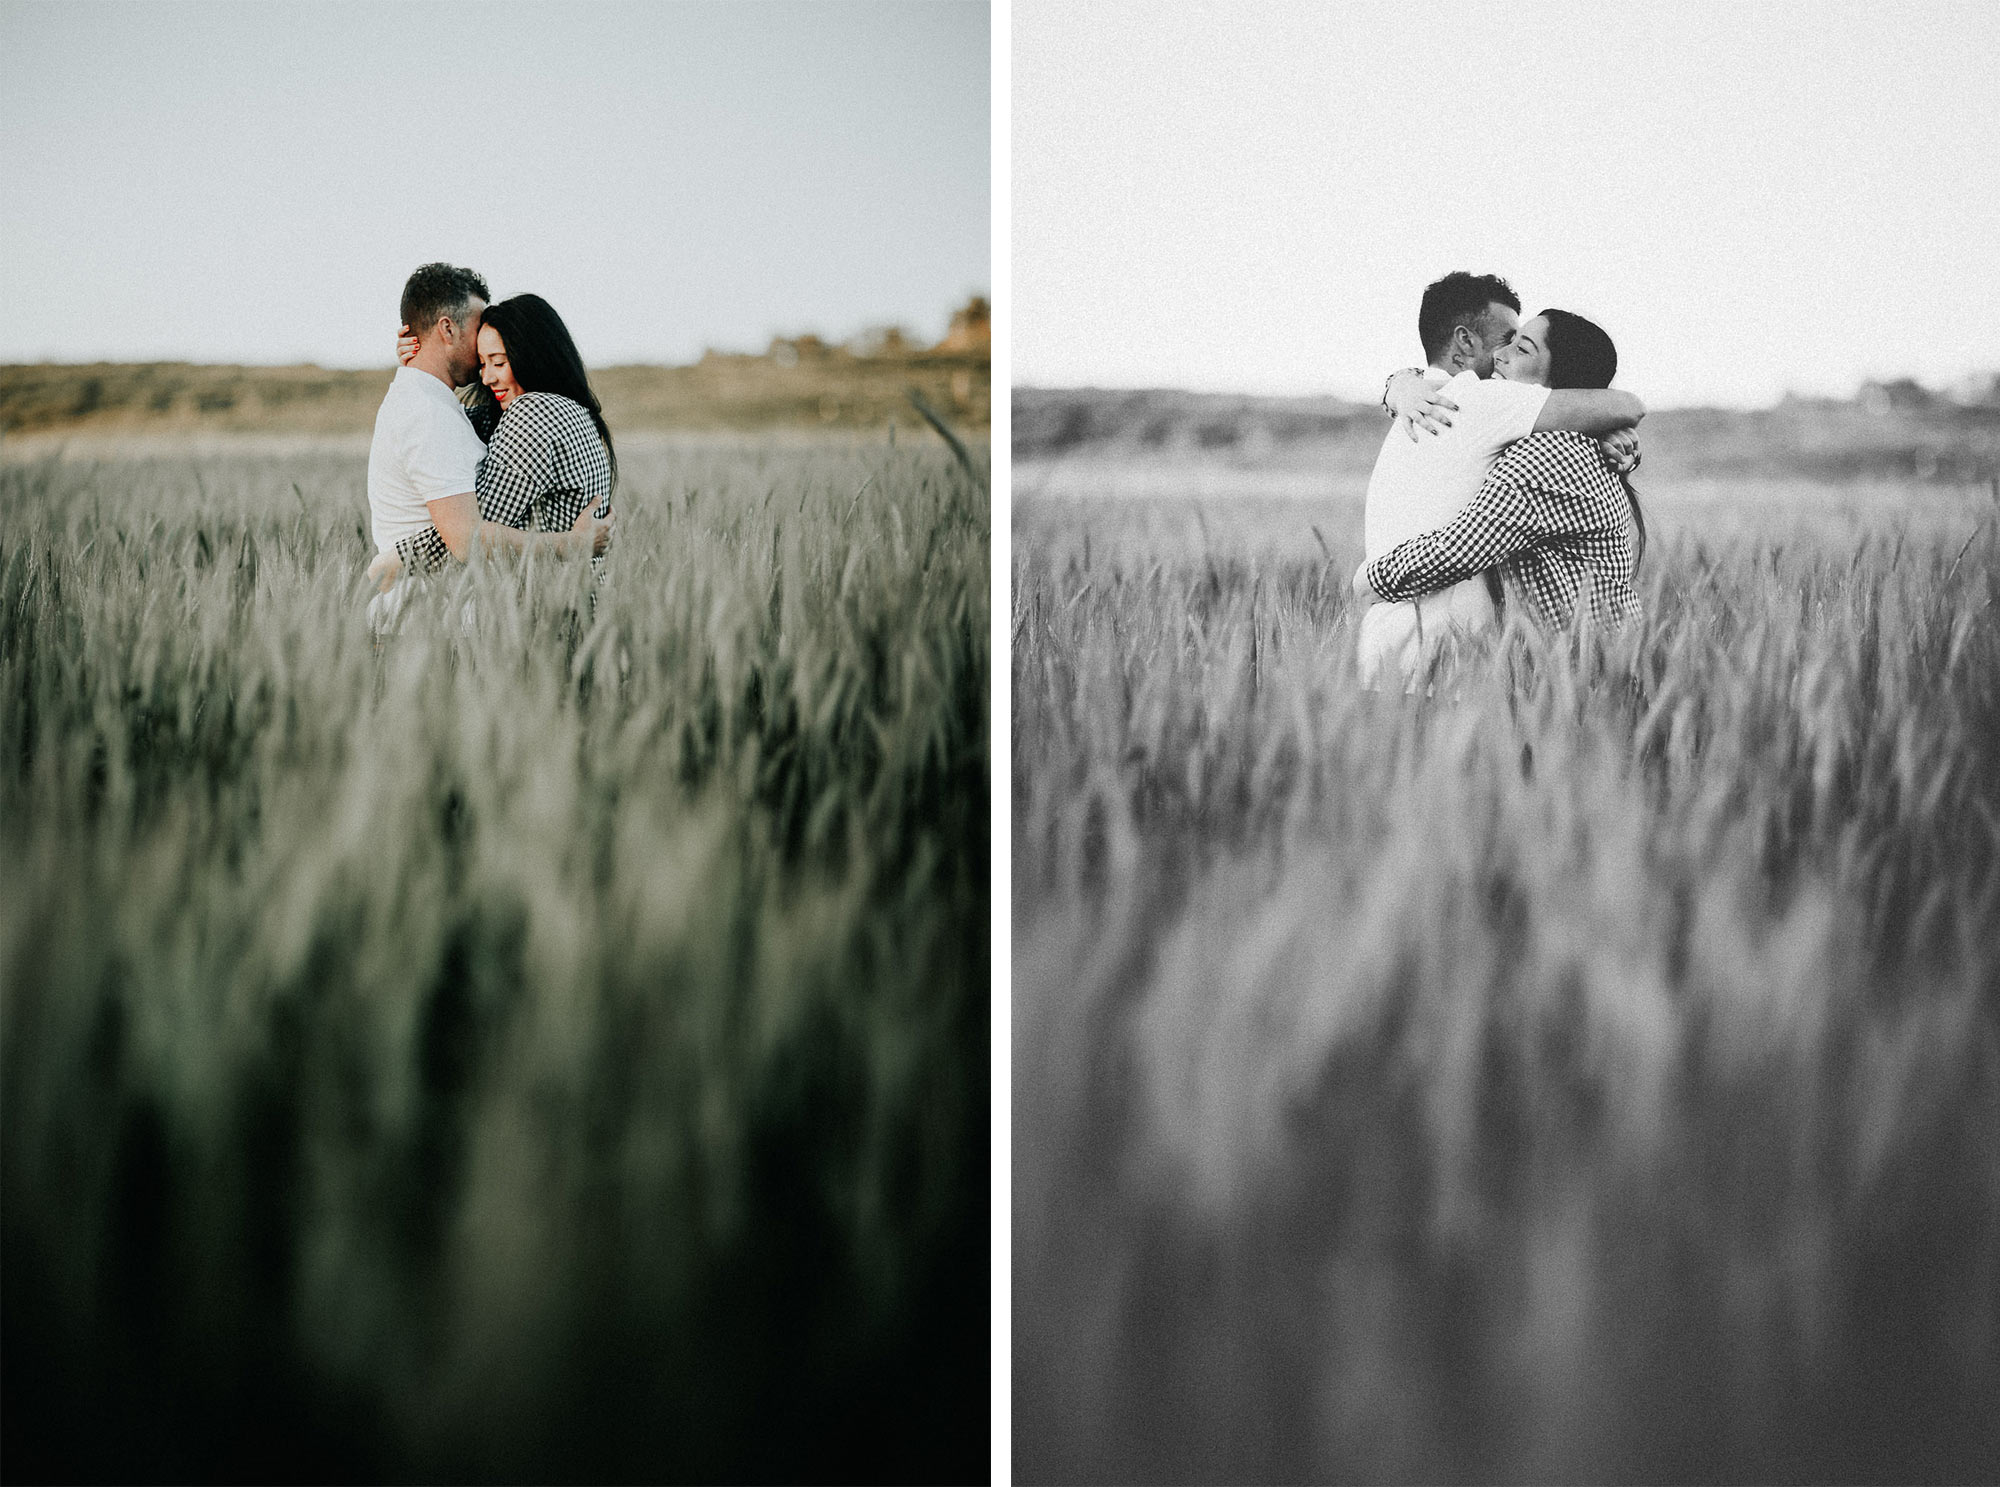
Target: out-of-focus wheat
1582 1073
553 1048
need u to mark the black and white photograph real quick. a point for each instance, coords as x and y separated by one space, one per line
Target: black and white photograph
1505 744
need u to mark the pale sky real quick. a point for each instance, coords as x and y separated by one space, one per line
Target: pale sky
1749 197
254 182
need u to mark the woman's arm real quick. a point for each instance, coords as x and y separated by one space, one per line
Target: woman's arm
1516 509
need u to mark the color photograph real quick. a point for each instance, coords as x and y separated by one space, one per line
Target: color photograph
495 669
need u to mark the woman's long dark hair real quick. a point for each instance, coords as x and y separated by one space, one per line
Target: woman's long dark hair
545 359
1581 355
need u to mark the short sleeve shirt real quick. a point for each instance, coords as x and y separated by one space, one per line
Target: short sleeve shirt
1418 487
545 465
424 450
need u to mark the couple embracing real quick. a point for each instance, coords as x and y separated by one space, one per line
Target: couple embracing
1511 488
525 466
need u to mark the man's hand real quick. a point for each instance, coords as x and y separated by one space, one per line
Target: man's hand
406 346
385 570
599 529
1364 591
1417 404
1621 450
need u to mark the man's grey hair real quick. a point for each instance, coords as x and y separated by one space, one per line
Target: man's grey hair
439 289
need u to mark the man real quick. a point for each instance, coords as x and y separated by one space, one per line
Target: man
1420 482
423 464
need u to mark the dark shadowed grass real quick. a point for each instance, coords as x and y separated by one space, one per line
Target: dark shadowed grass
549 1049
1583 1073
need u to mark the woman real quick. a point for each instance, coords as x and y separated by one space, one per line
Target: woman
549 463
1565 524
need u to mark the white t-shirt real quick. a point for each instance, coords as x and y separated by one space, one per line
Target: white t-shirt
1419 487
424 450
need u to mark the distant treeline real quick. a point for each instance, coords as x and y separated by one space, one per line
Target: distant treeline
797 383
1894 430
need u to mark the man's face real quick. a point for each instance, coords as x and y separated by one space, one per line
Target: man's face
1495 328
462 343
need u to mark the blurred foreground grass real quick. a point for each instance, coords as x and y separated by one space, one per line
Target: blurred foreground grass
553 1048
1577 1075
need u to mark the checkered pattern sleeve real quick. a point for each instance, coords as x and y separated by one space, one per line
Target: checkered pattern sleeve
423 553
545 465
1531 495
519 463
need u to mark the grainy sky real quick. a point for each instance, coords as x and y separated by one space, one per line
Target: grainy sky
253 182
1750 197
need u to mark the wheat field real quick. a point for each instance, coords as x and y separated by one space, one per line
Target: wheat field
1589 1071
548 1045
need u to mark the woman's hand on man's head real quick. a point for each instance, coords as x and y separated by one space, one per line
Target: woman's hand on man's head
406 346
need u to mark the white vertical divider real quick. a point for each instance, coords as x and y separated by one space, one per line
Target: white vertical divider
1000 745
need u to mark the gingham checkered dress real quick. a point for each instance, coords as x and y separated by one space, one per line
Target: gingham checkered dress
1552 515
543 465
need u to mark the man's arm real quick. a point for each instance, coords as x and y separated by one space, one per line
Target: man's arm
1594 411
1621 450
456 519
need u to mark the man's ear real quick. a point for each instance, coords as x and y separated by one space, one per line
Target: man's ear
1464 345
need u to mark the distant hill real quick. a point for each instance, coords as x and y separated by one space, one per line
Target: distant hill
1894 430
796 382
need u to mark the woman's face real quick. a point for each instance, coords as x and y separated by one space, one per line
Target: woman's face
1523 359
494 369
